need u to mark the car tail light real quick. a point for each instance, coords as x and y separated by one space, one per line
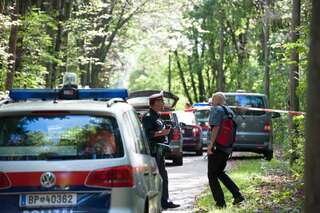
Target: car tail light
195 131
4 181
267 127
121 176
176 135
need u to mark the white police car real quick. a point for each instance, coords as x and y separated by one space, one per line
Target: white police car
76 155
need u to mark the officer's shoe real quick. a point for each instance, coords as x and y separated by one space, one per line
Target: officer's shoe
170 205
238 200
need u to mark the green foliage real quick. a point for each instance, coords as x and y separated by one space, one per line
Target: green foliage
266 186
5 25
299 140
37 47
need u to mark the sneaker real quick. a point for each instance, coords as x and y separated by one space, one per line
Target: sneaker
238 200
170 205
221 206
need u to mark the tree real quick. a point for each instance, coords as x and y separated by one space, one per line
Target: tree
13 45
312 146
294 70
183 81
266 23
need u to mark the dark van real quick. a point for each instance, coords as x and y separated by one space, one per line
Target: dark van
254 128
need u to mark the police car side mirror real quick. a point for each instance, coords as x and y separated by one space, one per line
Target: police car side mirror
275 115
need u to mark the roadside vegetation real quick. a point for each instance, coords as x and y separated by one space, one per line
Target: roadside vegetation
274 186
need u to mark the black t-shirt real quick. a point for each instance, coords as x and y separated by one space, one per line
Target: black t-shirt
152 123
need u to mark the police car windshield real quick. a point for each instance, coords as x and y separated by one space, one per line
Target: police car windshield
59 137
202 116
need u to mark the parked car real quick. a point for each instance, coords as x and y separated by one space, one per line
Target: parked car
202 119
140 101
254 128
175 138
77 155
191 132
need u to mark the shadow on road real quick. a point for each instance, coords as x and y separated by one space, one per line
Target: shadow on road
247 157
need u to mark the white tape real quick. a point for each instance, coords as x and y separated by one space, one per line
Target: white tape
293 113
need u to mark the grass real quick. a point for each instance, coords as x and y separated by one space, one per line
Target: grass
266 186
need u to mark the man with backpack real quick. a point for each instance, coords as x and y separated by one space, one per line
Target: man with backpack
223 136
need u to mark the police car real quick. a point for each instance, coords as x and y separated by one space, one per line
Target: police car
74 150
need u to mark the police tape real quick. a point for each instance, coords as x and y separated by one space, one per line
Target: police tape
243 108
293 113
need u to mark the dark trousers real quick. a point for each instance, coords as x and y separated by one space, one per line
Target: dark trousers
216 165
164 175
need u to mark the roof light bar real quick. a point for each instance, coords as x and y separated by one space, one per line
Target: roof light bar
25 94
103 93
50 94
200 104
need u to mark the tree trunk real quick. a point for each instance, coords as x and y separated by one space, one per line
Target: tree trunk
58 39
65 36
214 67
193 84
184 84
169 73
220 80
294 74
266 48
199 69
312 145
13 46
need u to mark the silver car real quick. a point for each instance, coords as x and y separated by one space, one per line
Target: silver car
70 156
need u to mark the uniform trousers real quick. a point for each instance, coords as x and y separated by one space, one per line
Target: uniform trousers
160 159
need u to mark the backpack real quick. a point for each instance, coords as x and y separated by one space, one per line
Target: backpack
227 132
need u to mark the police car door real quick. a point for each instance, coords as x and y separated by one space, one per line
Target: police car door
148 167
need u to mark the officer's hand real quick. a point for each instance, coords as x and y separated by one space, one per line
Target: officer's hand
165 131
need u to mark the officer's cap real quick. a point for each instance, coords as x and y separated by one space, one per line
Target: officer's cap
157 96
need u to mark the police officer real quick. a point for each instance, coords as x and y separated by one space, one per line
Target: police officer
218 156
157 134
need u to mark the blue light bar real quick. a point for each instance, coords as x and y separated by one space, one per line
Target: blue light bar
103 93
25 94
50 94
200 104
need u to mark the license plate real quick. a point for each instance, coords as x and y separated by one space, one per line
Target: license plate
48 200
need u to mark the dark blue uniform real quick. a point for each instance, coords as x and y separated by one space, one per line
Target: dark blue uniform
152 123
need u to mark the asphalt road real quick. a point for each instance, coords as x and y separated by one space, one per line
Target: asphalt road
187 182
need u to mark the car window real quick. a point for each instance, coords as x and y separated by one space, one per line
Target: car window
186 117
202 116
140 138
45 137
246 101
